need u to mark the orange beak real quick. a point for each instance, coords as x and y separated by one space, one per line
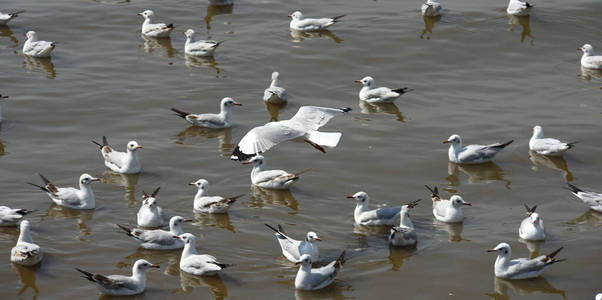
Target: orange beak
95 179
155 266
358 81
139 147
580 49
246 162
187 220
4 97
446 142
237 104
318 239
175 236
491 250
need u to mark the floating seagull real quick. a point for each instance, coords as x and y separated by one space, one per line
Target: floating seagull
34 48
520 268
431 8
275 94
156 30
4 18
294 249
589 60
299 22
121 162
26 252
547 146
149 214
448 211
404 234
82 198
197 264
518 8
531 228
159 239
1 101
10 216
201 48
599 296
315 279
371 94
271 179
591 199
119 285
221 120
380 216
472 154
210 204
305 123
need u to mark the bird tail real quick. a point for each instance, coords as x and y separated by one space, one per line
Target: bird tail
41 187
127 230
573 188
340 260
25 211
530 210
433 190
14 14
300 172
401 91
529 5
336 19
233 199
571 145
551 255
179 113
221 265
328 139
504 144
87 275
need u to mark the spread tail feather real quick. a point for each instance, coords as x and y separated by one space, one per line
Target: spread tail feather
328 139
179 113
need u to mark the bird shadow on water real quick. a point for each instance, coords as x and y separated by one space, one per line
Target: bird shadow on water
127 181
299 36
58 212
525 23
333 291
285 198
6 32
224 137
150 44
203 62
215 10
590 217
552 162
477 173
27 280
213 220
522 287
274 109
589 74
33 64
533 247
429 24
398 255
454 230
215 284
376 108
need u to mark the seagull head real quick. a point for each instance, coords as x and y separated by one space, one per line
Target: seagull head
312 237
275 75
534 217
457 201
296 16
366 81
177 220
304 260
189 33
147 14
149 200
133 146
360 197
86 179
587 49
538 132
24 226
502 249
33 35
454 139
256 161
143 265
201 184
229 102
187 238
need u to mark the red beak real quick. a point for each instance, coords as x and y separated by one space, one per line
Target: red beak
4 96
175 236
446 142
246 163
579 49
290 16
318 239
187 220
491 250
350 197
238 104
139 147
154 266
358 81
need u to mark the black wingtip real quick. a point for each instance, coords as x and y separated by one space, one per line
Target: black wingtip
97 143
155 192
221 265
402 90
127 230
433 190
571 144
87 275
104 141
529 5
551 255
270 227
24 211
233 199
40 187
345 109
240 156
530 210
338 17
506 143
179 113
170 25
341 259
573 188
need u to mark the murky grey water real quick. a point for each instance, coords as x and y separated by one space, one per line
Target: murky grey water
474 72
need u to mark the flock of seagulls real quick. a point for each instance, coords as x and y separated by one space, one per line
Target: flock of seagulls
303 125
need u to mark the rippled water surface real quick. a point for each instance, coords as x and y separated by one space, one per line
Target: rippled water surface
474 72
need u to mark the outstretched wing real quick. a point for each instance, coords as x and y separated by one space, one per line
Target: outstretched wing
314 117
262 138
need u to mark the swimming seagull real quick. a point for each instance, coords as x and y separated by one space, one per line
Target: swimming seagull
149 214
10 216
472 154
35 48
518 8
520 268
591 199
404 234
448 211
275 94
315 279
372 94
26 252
589 60
201 48
1 101
210 204
380 216
431 8
271 179
119 285
305 123
197 264
82 198
547 146
158 239
121 162
4 18
299 22
293 249
156 30
531 228
221 120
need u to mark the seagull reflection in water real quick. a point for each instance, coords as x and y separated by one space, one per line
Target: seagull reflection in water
223 135
522 288
127 181
6 32
27 280
33 64
299 35
213 220
215 283
484 172
203 62
552 162
58 212
375 108
150 44
259 196
429 24
215 9
524 22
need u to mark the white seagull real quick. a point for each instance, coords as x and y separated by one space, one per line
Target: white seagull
376 217
221 120
10 216
82 198
547 146
197 264
591 199
293 249
531 228
1 101
210 204
299 22
404 234
194 47
372 94
151 29
159 239
275 94
121 162
314 279
4 18
271 179
472 154
26 252
431 8
305 123
520 268
518 8
35 48
149 214
119 285
589 60
447 211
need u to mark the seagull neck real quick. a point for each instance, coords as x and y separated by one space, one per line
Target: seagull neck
225 113
405 221
176 229
256 169
139 275
502 260
190 39
189 249
32 39
25 236
200 193
148 21
275 82
360 207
